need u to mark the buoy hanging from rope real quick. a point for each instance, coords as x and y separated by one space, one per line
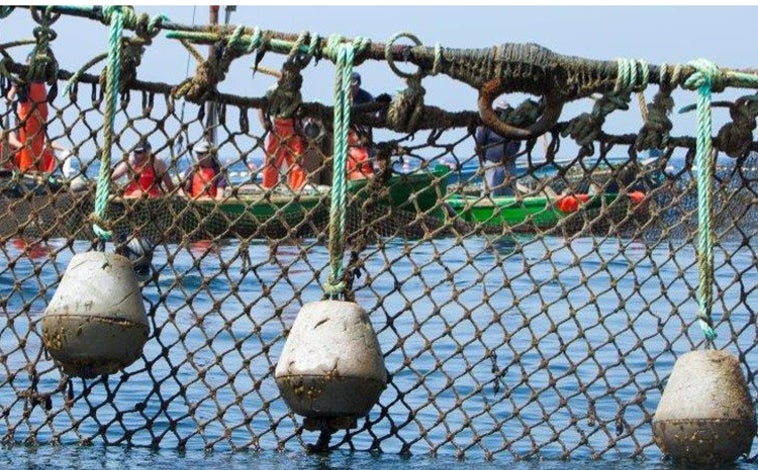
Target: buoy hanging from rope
331 365
331 370
95 323
705 416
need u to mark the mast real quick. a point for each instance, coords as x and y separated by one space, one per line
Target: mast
211 110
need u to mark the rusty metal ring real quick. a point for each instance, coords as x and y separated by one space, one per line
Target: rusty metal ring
553 108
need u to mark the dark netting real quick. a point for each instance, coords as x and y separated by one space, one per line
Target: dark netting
541 326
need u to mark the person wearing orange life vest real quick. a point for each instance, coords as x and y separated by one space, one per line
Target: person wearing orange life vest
204 179
147 174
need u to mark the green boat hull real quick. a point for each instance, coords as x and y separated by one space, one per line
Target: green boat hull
44 210
537 213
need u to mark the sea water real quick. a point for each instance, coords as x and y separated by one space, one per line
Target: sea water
419 290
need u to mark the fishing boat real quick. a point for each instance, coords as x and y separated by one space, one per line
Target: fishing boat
542 213
41 201
255 212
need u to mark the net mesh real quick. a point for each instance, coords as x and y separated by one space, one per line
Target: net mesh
520 329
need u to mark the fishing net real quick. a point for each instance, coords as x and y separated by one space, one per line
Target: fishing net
541 324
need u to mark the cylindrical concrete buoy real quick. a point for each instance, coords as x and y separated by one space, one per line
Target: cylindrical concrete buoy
705 416
95 323
331 365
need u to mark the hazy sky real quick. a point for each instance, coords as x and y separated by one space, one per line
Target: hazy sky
674 34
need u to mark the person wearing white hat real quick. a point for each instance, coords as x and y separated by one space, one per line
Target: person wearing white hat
497 155
204 179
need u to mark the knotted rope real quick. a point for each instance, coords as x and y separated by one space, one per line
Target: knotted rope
132 49
286 98
213 71
736 137
706 79
43 67
115 15
654 134
633 76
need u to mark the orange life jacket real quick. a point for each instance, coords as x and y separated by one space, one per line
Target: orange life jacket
203 182
145 180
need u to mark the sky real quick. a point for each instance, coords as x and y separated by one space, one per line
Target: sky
672 34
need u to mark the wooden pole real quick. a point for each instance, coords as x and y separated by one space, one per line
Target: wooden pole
212 113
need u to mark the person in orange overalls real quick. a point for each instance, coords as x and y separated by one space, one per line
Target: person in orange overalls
285 146
286 143
36 152
205 178
147 174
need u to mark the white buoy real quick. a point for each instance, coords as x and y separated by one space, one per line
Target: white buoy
705 416
95 323
331 365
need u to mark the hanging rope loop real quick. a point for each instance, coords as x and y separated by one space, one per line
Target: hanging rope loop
344 54
706 78
115 16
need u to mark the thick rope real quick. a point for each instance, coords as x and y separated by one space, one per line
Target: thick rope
703 80
344 54
736 137
112 77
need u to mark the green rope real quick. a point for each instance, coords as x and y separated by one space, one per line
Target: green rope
627 79
344 55
703 80
114 13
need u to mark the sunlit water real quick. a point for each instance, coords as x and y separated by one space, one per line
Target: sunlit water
419 291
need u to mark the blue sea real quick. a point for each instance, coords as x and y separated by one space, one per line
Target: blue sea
495 348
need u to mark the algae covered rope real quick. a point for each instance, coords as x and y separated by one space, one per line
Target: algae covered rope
100 225
336 285
704 81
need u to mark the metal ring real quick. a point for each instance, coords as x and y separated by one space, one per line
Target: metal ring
553 108
391 62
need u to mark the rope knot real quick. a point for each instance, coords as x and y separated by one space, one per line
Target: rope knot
211 72
147 28
333 44
360 46
736 137
654 134
285 98
406 107
129 18
43 67
706 73
102 227
587 127
334 289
